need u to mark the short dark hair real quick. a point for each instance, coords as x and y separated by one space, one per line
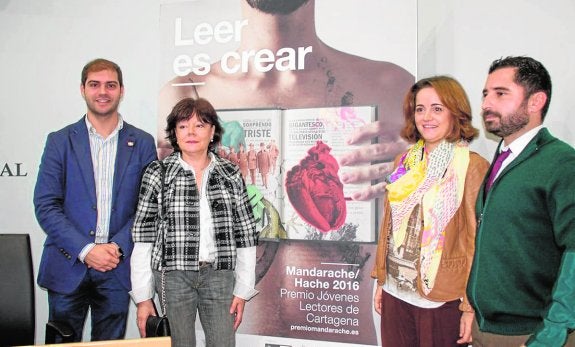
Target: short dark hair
453 97
186 109
99 65
529 74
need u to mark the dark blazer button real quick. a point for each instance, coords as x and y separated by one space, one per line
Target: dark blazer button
92 233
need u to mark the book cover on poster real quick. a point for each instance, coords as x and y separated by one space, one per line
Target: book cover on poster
288 159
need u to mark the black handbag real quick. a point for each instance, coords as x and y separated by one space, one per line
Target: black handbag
157 326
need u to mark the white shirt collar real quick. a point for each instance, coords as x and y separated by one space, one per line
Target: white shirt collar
188 167
521 142
92 130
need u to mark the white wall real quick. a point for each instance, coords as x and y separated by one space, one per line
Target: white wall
44 45
462 38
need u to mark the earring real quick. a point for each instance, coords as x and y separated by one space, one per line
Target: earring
212 140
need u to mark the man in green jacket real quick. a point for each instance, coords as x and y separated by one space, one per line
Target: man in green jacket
522 282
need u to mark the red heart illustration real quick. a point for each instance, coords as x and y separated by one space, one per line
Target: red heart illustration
315 191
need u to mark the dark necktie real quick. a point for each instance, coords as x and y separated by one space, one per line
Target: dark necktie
496 167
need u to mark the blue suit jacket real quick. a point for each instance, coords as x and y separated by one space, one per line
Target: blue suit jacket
65 201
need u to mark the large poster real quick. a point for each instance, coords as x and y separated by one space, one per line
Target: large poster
301 61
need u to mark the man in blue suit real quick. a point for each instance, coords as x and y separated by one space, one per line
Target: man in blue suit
85 198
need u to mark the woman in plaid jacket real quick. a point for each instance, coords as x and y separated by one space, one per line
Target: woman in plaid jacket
194 233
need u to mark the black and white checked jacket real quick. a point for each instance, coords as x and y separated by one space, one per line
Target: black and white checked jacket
234 224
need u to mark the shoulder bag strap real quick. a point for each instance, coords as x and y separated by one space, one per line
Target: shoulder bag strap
163 216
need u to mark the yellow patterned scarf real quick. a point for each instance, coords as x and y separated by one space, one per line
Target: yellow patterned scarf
436 180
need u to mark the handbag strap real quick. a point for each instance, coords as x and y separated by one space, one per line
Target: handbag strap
162 217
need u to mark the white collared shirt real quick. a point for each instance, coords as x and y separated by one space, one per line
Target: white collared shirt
207 238
517 147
